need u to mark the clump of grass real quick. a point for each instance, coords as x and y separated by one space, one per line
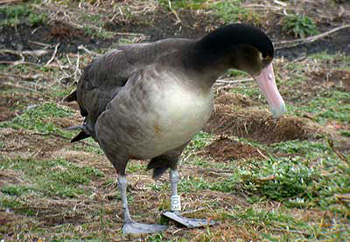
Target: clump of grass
273 219
10 22
189 184
14 190
249 90
16 205
16 14
231 11
299 25
156 238
290 179
304 148
236 73
101 34
35 19
15 11
200 140
127 41
13 14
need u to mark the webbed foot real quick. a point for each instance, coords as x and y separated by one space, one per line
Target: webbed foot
140 228
188 222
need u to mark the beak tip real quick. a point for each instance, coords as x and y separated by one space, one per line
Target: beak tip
278 112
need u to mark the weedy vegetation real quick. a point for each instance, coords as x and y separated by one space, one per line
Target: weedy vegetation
299 25
232 11
14 15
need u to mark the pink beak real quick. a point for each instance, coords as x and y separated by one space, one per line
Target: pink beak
267 84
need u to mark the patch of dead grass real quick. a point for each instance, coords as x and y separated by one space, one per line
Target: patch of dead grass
259 125
29 143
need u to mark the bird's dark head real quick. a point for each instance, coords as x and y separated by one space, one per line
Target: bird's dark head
244 46
247 48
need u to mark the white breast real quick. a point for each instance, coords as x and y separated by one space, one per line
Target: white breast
154 114
180 113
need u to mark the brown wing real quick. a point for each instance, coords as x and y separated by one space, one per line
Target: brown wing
102 80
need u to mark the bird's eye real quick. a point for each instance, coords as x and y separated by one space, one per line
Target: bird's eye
264 56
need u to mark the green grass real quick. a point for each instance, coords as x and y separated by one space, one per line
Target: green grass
35 118
280 220
231 11
297 180
236 73
10 22
37 19
335 61
184 4
332 105
127 41
101 34
260 216
20 207
250 90
16 14
200 140
325 105
311 149
14 190
50 177
15 11
227 11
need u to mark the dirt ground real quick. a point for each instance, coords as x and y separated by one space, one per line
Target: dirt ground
160 24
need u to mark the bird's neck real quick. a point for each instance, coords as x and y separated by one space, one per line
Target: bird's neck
208 65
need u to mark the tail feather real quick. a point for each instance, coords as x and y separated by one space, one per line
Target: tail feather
80 136
158 172
71 97
84 133
76 127
158 167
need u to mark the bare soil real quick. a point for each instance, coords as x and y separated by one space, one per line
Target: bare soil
26 38
226 149
333 79
156 26
162 24
338 42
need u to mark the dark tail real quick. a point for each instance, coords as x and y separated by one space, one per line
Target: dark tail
71 97
80 136
83 134
158 167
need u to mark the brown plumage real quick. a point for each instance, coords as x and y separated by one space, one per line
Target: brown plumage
147 101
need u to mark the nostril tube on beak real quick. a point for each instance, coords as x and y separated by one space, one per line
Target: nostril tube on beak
267 84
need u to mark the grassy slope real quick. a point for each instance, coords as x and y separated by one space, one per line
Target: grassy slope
54 190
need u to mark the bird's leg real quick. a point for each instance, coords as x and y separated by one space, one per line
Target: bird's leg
122 185
176 206
175 198
131 227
